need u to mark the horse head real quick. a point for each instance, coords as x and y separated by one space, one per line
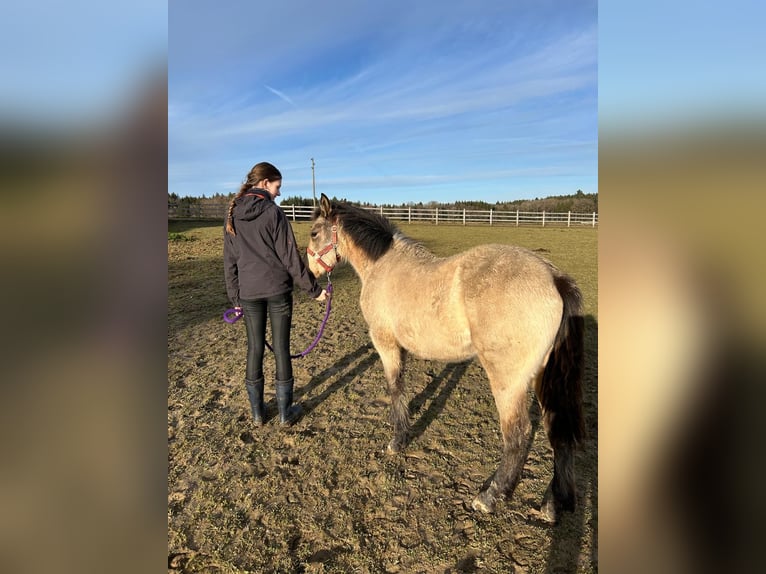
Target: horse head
323 243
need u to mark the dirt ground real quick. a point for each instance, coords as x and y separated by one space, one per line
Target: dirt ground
323 496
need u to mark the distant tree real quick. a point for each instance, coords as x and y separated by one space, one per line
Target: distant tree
189 207
578 202
297 201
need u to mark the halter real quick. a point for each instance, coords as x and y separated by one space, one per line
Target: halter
332 246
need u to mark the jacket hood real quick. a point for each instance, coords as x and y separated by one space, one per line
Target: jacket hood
252 204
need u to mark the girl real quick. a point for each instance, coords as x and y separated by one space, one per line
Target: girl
261 264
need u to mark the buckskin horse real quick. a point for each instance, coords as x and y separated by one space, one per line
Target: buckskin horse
504 305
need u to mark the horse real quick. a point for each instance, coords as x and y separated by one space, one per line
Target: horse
504 305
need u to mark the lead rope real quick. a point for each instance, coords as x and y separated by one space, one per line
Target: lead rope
233 315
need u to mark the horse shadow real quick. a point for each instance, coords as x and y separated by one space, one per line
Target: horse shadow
448 379
368 358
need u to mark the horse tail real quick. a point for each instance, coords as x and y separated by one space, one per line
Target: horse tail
560 391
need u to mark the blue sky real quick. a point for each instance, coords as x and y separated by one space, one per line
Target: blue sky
68 64
396 101
664 64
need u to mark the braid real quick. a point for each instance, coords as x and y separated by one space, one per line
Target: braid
230 213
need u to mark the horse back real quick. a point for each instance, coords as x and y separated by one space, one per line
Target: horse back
450 309
511 300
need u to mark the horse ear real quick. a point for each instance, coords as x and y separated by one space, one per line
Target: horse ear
324 206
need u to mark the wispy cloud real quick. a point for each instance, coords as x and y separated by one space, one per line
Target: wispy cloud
279 94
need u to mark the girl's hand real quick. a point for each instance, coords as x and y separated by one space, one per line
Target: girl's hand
322 297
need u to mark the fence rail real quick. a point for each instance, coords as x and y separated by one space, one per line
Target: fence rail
436 216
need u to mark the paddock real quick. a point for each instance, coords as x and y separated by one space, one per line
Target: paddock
322 496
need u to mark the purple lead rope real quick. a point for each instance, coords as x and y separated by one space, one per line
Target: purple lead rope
233 315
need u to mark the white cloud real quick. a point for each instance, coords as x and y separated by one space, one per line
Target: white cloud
279 94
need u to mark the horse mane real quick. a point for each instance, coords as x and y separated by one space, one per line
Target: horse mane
408 245
372 233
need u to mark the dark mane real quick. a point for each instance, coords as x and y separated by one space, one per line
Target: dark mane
372 233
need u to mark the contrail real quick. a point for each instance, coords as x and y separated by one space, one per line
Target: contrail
280 95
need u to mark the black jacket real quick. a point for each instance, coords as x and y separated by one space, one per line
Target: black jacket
262 259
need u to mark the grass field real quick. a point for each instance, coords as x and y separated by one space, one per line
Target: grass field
322 496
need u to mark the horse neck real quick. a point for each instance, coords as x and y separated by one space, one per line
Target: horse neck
403 247
355 256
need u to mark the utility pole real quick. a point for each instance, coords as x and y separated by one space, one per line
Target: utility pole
313 183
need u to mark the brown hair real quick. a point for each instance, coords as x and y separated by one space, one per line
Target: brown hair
260 171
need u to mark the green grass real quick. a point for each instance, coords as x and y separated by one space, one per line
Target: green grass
573 250
175 236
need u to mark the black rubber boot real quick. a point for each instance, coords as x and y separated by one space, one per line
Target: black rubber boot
288 412
255 394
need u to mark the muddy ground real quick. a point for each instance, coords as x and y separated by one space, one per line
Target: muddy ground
323 496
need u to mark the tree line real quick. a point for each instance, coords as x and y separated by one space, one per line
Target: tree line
578 202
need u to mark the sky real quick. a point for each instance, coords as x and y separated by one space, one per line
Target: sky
80 62
395 101
672 63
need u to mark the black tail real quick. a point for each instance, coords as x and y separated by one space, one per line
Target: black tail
560 391
560 394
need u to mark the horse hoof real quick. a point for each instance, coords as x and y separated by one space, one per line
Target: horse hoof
393 448
484 503
548 512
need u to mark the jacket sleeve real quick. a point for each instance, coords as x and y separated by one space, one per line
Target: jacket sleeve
230 269
287 250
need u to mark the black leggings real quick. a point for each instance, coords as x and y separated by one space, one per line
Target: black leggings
280 311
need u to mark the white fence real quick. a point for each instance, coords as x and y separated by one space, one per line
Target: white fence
436 216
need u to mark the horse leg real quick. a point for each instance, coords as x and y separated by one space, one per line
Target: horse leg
561 492
392 356
509 388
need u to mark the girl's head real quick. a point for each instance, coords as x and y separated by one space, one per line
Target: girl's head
263 176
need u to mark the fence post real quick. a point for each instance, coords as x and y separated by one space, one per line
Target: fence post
517 218
543 218
409 214
464 217
490 218
293 212
436 212
381 211
569 218
594 219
